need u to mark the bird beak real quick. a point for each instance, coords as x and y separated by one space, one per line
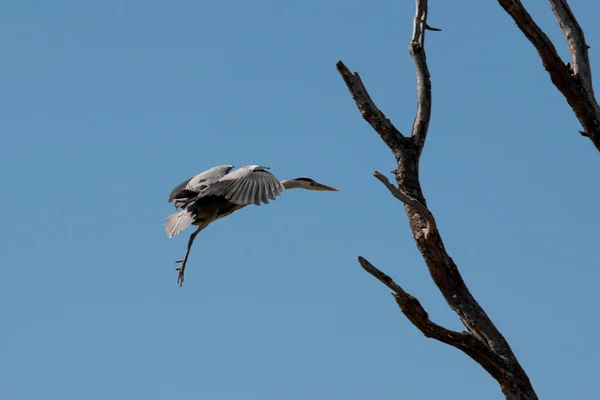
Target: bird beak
327 188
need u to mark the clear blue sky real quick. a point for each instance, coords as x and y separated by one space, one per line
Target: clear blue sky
108 105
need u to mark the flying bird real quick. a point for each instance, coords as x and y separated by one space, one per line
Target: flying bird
216 193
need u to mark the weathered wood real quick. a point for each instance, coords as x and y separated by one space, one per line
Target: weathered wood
483 342
574 80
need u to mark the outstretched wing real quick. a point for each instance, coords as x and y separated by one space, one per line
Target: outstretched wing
190 188
248 185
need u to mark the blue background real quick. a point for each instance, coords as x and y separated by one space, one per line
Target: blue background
108 105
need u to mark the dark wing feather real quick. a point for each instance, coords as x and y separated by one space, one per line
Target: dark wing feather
190 188
248 185
179 189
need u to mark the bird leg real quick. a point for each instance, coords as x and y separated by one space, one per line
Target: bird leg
187 253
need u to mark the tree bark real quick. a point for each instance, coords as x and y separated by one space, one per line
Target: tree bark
482 341
573 80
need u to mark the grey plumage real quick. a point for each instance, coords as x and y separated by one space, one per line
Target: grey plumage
248 185
217 193
197 196
183 193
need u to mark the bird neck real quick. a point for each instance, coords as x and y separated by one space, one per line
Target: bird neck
292 184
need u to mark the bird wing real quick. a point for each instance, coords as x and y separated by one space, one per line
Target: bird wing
247 185
191 187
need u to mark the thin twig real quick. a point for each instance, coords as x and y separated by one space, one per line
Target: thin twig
409 201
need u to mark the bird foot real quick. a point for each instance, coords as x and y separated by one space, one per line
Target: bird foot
180 275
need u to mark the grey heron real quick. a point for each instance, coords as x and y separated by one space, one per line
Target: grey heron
216 193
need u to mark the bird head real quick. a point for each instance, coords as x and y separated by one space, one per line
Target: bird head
310 184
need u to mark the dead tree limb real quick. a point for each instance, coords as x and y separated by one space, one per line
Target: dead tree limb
574 79
483 342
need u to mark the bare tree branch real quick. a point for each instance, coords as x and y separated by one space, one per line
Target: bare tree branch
576 41
417 51
575 83
484 344
413 310
429 28
373 115
409 201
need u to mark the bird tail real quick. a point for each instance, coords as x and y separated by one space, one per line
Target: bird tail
177 222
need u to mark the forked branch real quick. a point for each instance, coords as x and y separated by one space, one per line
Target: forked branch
483 343
574 80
